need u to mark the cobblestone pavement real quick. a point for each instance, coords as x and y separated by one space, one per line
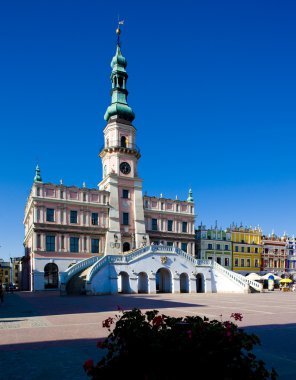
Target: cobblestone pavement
46 336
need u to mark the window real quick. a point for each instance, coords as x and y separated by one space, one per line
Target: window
125 218
50 215
256 250
125 193
218 247
256 263
242 262
248 262
73 216
85 243
226 261
162 206
38 241
50 243
154 224
123 141
38 191
236 248
184 226
236 262
170 244
210 246
74 244
249 249
226 247
62 242
170 225
95 245
219 260
177 208
243 249
62 194
184 247
146 203
94 218
84 197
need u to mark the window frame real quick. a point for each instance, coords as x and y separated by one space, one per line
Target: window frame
50 243
72 216
50 214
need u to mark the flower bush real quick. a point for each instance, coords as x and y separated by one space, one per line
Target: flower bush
151 346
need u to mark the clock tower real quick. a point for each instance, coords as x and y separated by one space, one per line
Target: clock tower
120 155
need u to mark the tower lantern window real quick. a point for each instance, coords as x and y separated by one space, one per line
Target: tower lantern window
120 82
123 141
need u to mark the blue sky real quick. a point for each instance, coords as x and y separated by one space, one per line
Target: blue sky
212 84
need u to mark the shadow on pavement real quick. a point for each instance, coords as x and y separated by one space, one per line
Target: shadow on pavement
25 304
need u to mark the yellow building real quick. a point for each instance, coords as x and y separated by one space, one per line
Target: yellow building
4 272
246 249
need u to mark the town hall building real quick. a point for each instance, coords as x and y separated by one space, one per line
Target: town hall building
113 238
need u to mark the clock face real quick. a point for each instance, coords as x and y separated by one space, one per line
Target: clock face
125 168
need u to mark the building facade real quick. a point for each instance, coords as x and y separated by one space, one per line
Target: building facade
66 224
214 244
274 254
5 272
291 255
246 249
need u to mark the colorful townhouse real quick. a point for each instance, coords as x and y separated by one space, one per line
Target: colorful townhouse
291 255
214 244
274 254
246 249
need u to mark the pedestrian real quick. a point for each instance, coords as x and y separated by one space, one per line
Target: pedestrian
1 293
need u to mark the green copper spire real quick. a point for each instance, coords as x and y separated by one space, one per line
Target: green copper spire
119 106
37 177
190 198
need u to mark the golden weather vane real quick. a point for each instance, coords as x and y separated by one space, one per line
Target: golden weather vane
118 31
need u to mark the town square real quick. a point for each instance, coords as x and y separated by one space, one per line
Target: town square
44 334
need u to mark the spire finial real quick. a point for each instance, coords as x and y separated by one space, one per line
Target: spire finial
37 177
118 30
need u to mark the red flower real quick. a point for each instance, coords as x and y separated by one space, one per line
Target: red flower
88 365
107 322
237 316
157 321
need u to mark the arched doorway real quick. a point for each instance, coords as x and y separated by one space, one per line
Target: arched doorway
184 283
200 286
51 276
163 281
143 283
123 283
126 247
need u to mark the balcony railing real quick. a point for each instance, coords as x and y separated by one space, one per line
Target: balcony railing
117 144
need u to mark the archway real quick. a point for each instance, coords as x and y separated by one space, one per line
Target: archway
143 283
200 285
126 247
123 283
184 283
163 281
51 276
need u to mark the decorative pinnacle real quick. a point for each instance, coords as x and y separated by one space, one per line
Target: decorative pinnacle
37 177
190 197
